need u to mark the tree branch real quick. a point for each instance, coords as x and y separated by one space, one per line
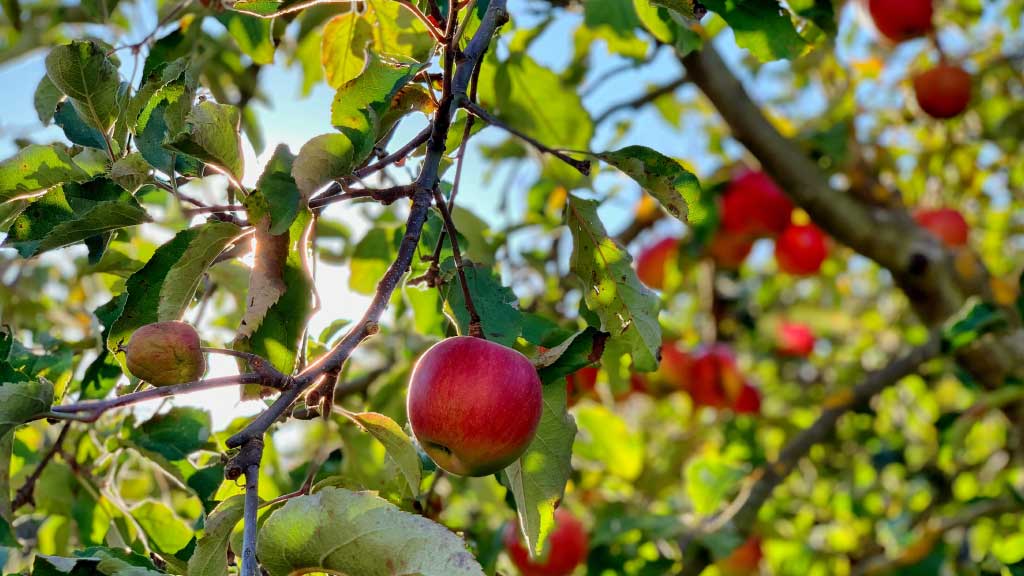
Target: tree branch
642 100
26 494
919 262
475 329
582 166
742 512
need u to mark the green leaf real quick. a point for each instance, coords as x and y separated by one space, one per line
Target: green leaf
45 99
399 446
277 186
343 532
164 116
608 441
252 34
710 480
183 278
628 310
537 479
576 351
360 103
174 434
83 72
35 168
977 320
343 49
99 10
371 257
167 533
675 187
323 159
75 128
22 401
211 134
278 303
74 213
497 305
532 98
102 375
688 10
130 172
761 26
145 287
210 557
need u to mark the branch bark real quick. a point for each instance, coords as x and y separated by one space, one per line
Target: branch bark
918 261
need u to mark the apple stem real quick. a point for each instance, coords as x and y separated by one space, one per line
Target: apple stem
475 329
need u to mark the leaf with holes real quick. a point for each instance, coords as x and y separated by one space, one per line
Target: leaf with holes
211 134
675 187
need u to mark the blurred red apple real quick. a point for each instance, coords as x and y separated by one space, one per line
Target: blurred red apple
744 560
795 339
944 91
754 206
566 548
580 384
473 405
801 250
652 261
748 401
900 20
945 223
716 382
730 250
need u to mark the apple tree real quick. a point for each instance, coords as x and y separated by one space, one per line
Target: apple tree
552 287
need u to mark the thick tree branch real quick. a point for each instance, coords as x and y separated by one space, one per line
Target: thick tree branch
742 512
921 265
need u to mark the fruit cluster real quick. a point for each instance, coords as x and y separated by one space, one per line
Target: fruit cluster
943 91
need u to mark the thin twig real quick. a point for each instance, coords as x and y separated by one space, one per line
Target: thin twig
383 195
582 166
94 409
434 32
642 100
475 328
26 494
298 6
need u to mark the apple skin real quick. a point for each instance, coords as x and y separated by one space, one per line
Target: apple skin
794 339
900 20
716 382
473 405
652 261
581 384
744 560
566 548
165 353
730 250
945 223
944 91
753 205
801 250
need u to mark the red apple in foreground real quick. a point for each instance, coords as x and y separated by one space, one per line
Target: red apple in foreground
801 250
165 353
473 405
566 548
944 91
900 20
945 223
744 560
794 339
753 205
653 260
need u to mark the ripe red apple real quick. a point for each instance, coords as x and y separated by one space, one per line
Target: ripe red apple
944 91
730 250
566 548
945 223
580 384
744 560
801 250
748 401
653 260
165 353
900 20
473 405
716 382
753 205
794 339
